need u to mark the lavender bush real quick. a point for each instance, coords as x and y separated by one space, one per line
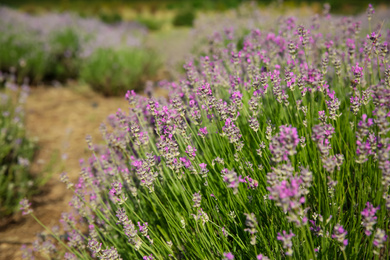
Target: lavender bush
57 47
278 149
16 150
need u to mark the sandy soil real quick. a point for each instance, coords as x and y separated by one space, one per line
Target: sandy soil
60 118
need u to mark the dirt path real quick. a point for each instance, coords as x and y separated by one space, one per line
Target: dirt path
60 118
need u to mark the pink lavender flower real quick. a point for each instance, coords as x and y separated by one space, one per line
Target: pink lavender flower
191 151
284 143
150 257
197 199
232 179
321 135
128 228
369 218
287 194
203 170
365 148
117 193
25 207
322 116
251 224
228 256
339 234
380 238
370 11
27 253
110 253
94 246
262 257
203 132
286 240
357 73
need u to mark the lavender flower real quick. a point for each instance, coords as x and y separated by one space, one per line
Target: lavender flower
25 207
110 253
380 238
150 257
228 256
191 151
117 193
284 143
94 246
129 228
369 218
262 257
370 11
203 132
201 215
251 223
339 235
287 243
203 170
231 178
197 199
27 253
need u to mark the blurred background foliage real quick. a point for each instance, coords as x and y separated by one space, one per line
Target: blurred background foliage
109 10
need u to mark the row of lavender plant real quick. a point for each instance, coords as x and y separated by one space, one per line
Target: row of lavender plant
279 149
16 150
57 47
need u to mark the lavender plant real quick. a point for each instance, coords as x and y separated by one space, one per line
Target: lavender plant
58 47
16 151
278 149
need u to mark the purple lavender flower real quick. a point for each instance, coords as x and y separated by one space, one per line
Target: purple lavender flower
191 151
25 207
128 228
203 170
339 234
380 238
286 240
321 135
203 132
251 223
94 246
228 256
232 179
150 257
369 218
117 193
365 148
357 73
287 194
262 257
284 143
110 253
27 253
370 11
197 199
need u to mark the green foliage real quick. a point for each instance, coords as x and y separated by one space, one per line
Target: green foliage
26 56
38 60
184 18
110 18
16 152
64 55
112 72
151 23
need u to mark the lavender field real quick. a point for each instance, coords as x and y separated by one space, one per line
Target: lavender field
267 139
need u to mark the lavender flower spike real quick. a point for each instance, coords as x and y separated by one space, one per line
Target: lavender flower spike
25 207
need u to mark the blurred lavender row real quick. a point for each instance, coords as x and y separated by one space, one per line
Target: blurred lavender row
95 33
